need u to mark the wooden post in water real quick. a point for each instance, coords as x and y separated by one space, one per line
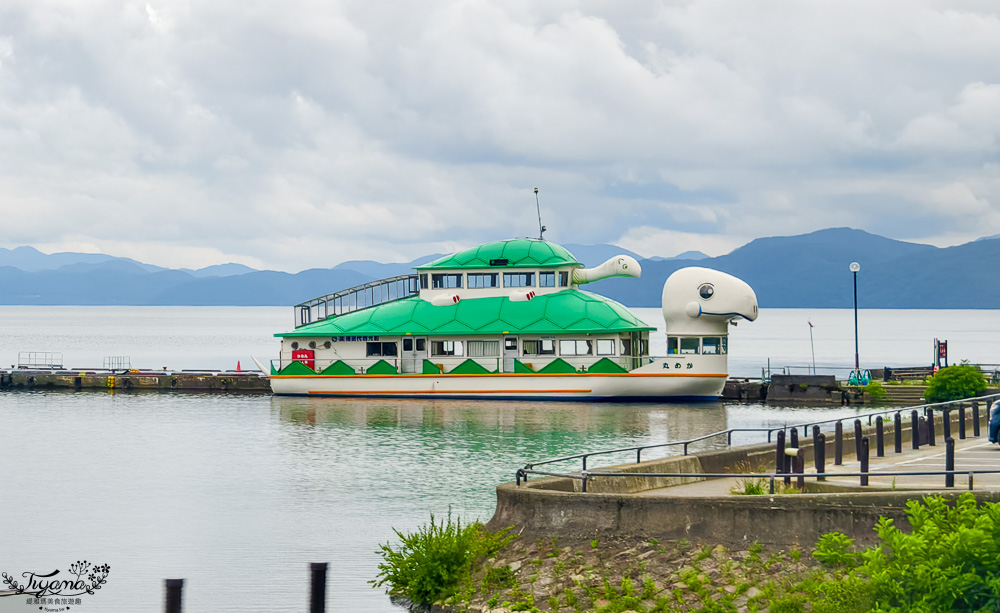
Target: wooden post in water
317 591
175 587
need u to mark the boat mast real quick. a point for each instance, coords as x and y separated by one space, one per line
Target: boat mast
541 228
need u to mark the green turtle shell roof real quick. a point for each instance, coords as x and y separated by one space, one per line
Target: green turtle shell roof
519 253
565 312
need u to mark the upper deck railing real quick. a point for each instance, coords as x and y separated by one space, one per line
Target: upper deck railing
356 298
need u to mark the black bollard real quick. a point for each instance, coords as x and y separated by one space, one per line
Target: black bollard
317 591
857 438
879 437
975 418
815 437
914 432
819 455
946 425
838 444
800 469
864 461
949 462
961 420
794 442
175 587
897 432
931 436
779 452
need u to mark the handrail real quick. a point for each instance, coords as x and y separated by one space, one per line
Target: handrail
729 433
356 298
585 476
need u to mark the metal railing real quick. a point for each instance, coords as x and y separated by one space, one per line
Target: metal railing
356 298
638 449
52 360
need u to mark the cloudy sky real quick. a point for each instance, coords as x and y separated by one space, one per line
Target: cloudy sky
299 134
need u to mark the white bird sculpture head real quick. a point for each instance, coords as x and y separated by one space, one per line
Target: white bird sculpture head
703 301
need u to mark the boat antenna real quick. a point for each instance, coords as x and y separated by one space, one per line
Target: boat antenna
541 228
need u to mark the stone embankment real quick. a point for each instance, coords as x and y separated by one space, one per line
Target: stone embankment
191 381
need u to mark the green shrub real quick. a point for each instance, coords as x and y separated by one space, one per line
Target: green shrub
433 562
955 383
751 487
875 390
947 563
834 549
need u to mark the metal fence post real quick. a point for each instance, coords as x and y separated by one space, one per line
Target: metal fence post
815 436
949 462
946 426
879 437
961 420
914 431
317 592
800 468
931 436
175 589
897 432
819 455
779 452
857 438
864 461
838 444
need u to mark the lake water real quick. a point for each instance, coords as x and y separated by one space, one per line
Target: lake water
237 494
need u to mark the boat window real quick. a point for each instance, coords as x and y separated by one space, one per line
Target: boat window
484 349
546 279
711 345
510 344
519 279
672 345
545 346
446 281
407 344
690 344
423 281
295 345
644 347
626 346
380 349
564 279
447 348
575 348
477 280
421 344
605 346
725 344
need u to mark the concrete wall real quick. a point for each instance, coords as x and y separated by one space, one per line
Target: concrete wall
556 506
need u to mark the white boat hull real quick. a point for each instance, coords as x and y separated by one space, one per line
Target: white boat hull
633 385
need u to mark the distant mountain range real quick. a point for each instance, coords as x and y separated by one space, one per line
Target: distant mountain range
809 270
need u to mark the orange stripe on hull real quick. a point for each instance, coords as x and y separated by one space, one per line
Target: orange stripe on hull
414 392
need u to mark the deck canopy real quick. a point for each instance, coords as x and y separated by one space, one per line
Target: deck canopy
567 312
511 253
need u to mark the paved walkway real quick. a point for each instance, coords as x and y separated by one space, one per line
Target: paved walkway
970 454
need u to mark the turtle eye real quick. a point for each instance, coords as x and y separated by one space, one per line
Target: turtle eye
706 291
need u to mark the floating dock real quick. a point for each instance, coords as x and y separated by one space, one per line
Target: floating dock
92 379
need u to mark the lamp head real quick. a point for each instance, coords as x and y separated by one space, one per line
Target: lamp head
855 267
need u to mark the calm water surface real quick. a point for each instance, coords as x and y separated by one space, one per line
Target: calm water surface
238 494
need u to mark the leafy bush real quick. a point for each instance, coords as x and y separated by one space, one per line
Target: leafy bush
955 383
433 562
834 549
875 390
948 562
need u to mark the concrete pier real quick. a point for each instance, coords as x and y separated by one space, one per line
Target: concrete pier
80 379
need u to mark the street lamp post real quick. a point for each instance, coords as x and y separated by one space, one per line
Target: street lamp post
855 267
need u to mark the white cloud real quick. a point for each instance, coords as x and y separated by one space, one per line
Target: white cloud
309 133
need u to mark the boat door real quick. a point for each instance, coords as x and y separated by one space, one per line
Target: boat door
509 353
414 353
